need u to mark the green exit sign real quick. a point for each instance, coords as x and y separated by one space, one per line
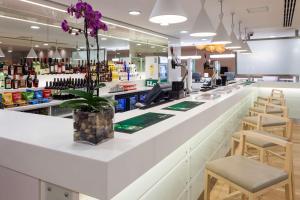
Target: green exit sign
151 82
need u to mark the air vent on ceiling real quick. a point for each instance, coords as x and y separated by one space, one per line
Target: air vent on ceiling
258 9
289 10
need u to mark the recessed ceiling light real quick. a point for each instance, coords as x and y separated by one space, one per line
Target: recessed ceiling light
138 44
183 32
103 38
45 44
34 27
73 33
134 12
10 51
204 39
36 46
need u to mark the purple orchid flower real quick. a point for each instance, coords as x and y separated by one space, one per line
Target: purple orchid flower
65 26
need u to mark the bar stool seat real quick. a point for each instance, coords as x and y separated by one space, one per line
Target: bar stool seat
265 121
249 174
269 110
258 142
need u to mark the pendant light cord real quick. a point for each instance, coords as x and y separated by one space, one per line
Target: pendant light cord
246 37
232 21
240 32
222 14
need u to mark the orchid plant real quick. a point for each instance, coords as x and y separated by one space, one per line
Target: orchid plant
92 25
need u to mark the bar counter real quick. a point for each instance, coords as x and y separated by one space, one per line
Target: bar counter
163 161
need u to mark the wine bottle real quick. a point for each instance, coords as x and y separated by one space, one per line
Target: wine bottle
29 81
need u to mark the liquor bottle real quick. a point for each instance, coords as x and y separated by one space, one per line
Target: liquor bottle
63 67
11 70
35 81
8 82
25 68
22 82
2 80
55 66
15 82
29 81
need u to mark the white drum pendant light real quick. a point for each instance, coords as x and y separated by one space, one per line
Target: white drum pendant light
203 26
167 12
222 35
2 55
235 42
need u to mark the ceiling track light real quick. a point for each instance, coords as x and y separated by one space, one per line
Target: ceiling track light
167 12
203 26
222 35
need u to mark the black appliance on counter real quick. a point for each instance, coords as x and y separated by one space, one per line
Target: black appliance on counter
159 94
177 90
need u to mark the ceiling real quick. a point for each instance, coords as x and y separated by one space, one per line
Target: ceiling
269 22
17 34
271 19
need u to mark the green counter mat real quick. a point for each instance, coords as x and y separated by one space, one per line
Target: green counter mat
184 106
140 122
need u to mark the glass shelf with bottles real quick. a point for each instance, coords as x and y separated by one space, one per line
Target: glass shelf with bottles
123 71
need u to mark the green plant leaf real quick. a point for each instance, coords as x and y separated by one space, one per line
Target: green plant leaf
79 93
100 85
74 103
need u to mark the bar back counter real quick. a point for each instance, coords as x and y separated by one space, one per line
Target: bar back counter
39 159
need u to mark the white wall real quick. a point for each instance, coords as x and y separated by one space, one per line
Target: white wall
271 57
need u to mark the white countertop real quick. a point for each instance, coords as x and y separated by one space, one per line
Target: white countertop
43 147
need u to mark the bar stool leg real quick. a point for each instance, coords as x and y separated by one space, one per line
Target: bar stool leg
262 155
207 186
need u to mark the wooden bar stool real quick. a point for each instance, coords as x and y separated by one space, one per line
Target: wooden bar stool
268 108
277 93
250 177
263 147
271 99
268 122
